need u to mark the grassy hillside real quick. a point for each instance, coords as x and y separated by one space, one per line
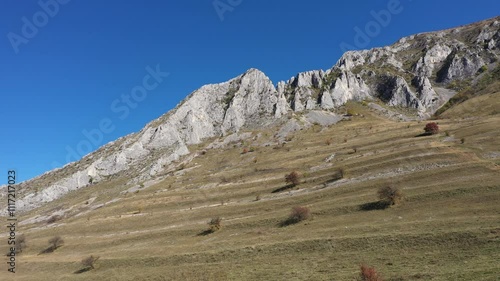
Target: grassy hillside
483 105
447 227
487 83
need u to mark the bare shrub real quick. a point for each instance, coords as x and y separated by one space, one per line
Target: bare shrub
297 215
390 195
56 242
215 224
89 262
340 173
369 274
54 218
20 243
293 178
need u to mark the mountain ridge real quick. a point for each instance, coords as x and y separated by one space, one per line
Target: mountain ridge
414 73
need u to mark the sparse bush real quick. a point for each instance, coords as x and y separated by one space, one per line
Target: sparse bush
139 210
293 178
215 224
369 274
431 128
56 242
341 173
462 140
482 69
390 195
297 215
351 112
89 262
328 142
53 219
20 243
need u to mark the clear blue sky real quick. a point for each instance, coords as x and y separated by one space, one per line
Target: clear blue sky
85 55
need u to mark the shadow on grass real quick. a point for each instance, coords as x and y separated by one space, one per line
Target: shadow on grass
281 189
83 270
205 232
332 180
288 222
48 250
423 135
377 205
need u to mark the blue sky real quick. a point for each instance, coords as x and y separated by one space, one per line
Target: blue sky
65 65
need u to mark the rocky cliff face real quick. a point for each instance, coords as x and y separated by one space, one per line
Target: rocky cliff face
408 74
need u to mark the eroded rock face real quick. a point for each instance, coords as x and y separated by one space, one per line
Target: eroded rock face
349 87
435 56
462 66
255 97
425 92
403 75
302 91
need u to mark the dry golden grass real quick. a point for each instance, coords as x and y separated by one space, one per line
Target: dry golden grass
447 228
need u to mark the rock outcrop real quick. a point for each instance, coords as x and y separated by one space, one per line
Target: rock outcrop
405 74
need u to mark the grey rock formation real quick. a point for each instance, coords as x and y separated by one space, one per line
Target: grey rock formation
302 90
349 86
396 92
435 56
462 66
412 73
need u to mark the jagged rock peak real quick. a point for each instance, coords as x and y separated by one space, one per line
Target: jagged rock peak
411 73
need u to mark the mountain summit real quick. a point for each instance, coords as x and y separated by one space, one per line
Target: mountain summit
419 73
